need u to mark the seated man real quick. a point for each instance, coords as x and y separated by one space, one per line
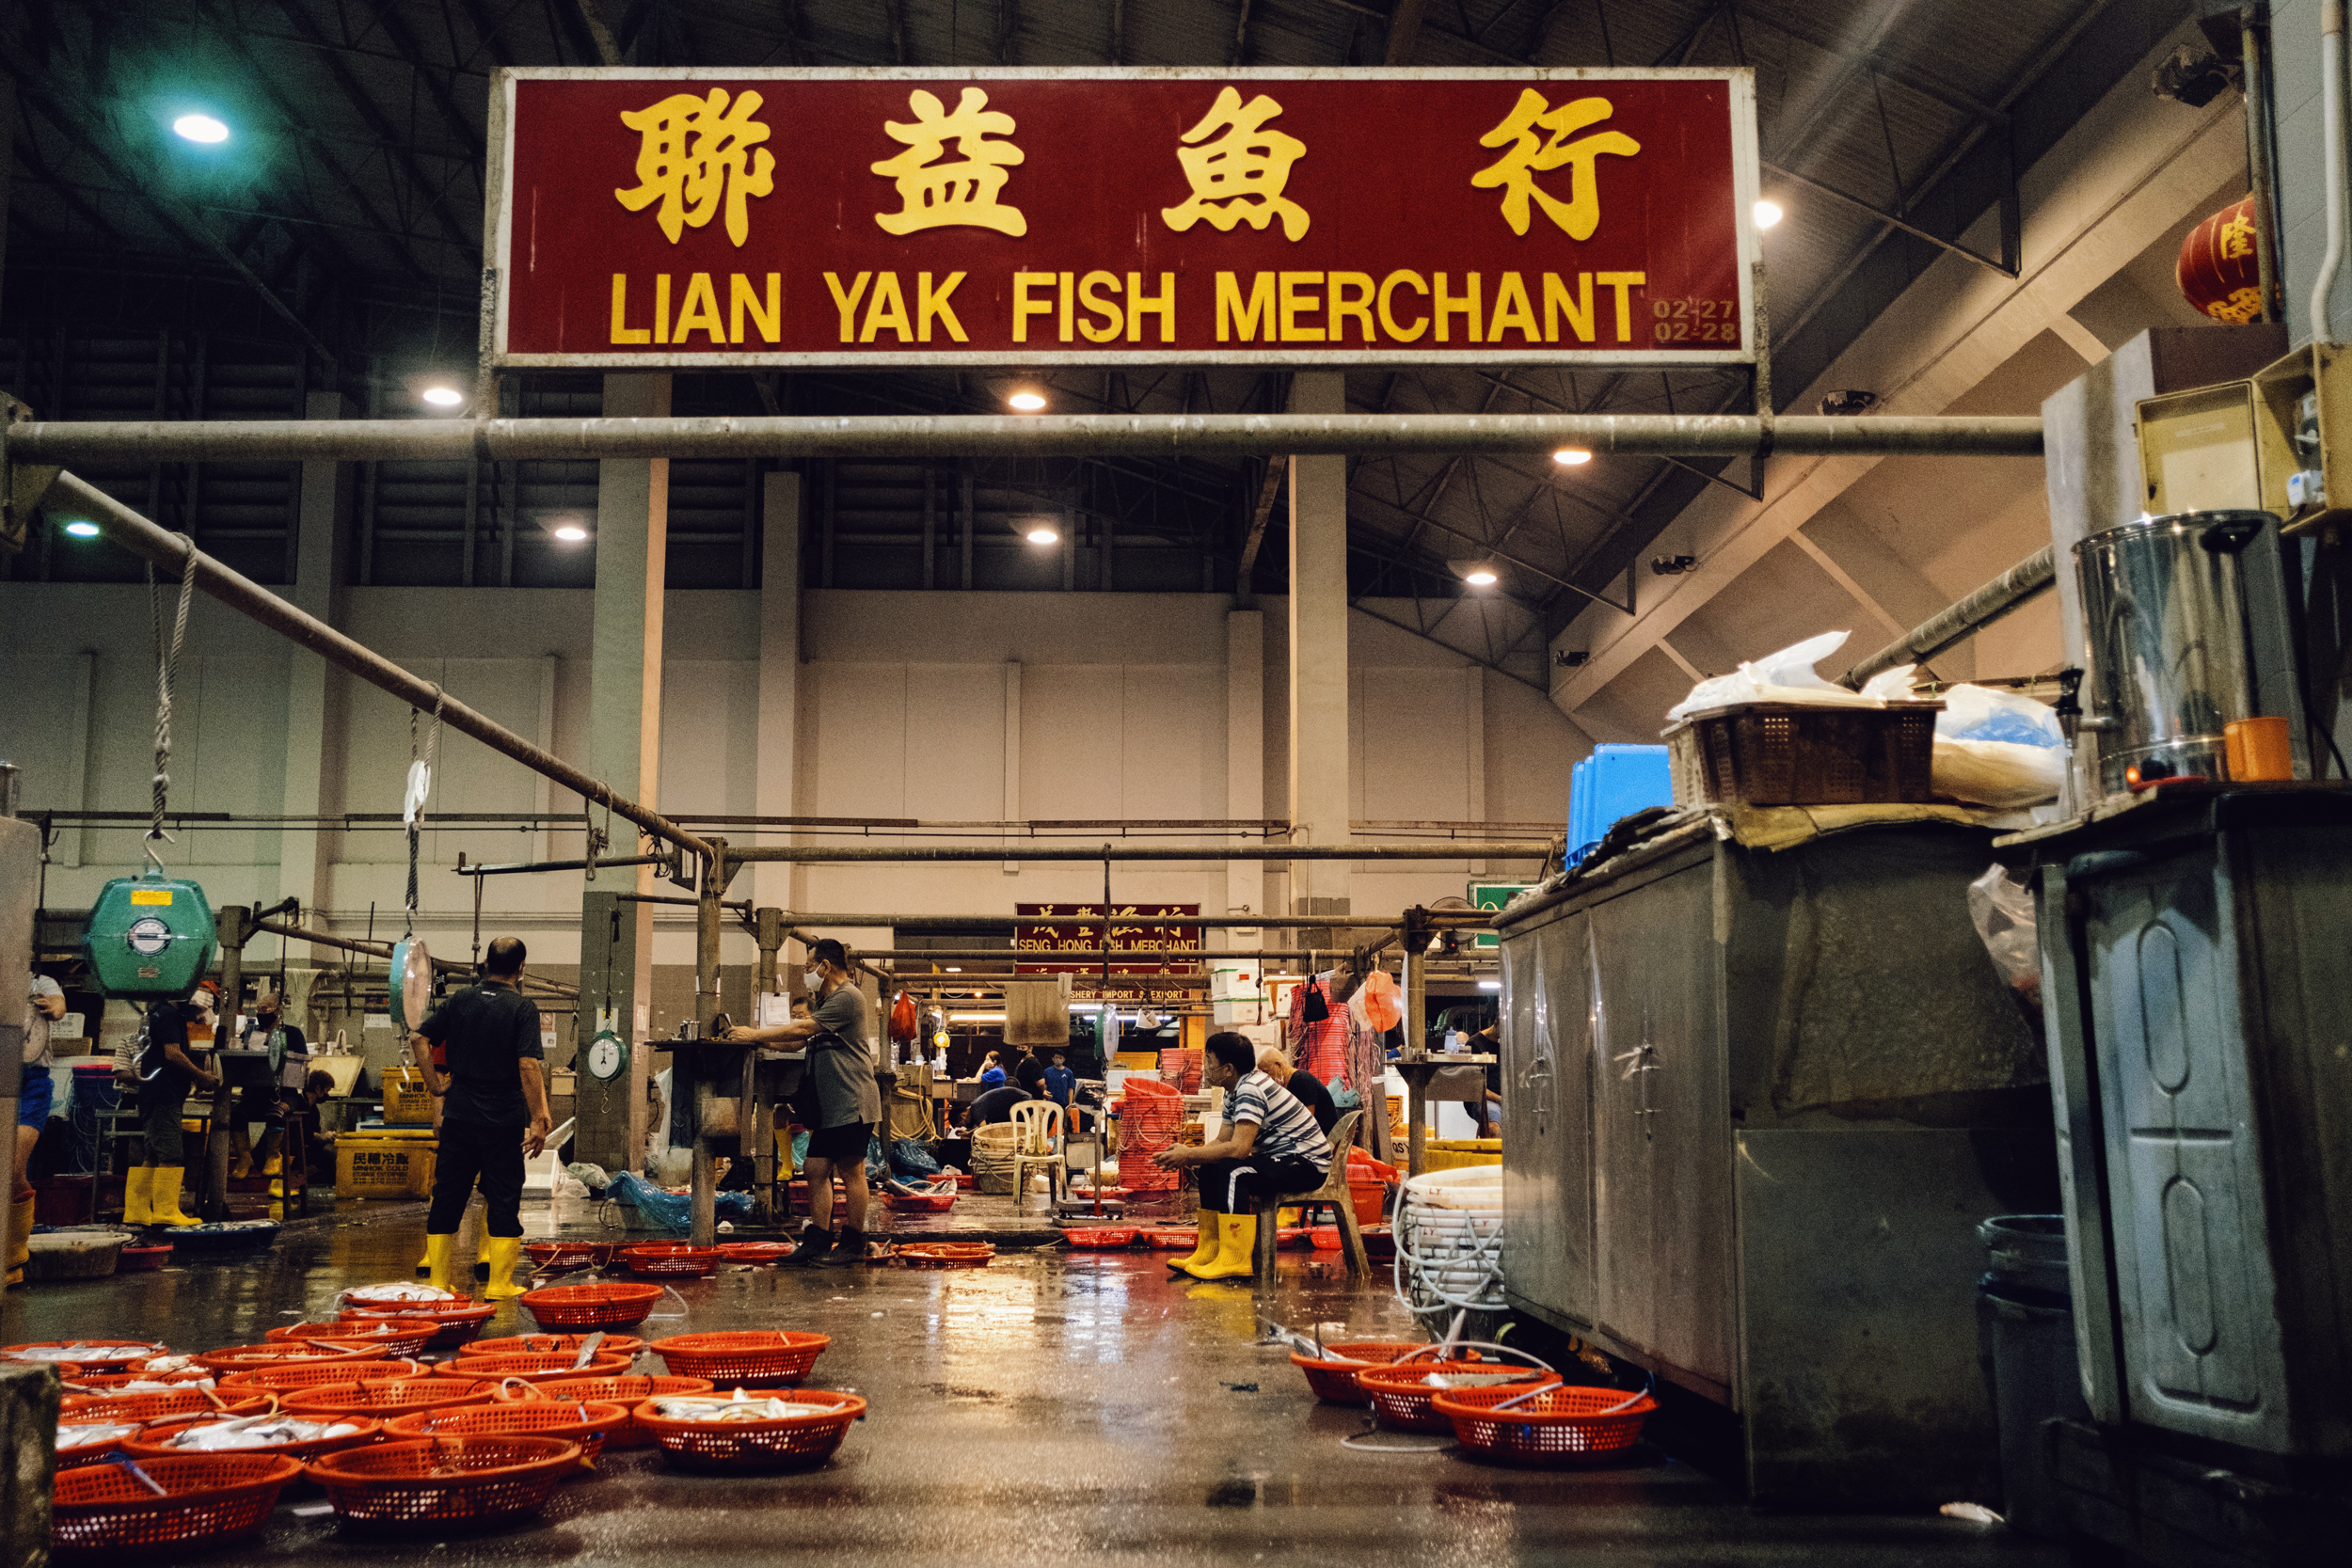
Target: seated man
1271 1147
1304 1087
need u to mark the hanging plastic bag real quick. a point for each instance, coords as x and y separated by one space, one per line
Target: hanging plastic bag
2003 914
1313 1007
1786 676
903 1020
1382 1009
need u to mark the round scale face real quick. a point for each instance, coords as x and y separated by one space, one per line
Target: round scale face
147 936
605 1056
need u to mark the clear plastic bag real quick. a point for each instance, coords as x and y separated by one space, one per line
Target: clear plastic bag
2003 914
1786 676
1982 713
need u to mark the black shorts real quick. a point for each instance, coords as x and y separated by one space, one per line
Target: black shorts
845 1141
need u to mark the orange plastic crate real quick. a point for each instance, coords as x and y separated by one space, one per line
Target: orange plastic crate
751 1356
104 1509
392 1336
669 1260
1401 1399
89 1409
386 1401
285 1353
589 1423
1333 1377
531 1368
89 1355
550 1344
155 1442
582 1307
631 1391
1554 1426
446 1481
295 1380
790 1442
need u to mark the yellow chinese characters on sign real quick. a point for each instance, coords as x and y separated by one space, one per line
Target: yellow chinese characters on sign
697 154
1537 136
965 191
1239 176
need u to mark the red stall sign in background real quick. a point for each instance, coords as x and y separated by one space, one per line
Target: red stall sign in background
885 217
1136 929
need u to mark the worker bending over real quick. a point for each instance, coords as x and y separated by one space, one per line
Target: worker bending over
494 1113
839 1101
1271 1148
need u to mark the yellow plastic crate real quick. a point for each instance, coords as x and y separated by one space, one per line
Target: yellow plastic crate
406 1098
1454 1153
385 1164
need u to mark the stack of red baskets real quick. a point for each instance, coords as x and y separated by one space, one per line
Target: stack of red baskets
1146 1124
1184 1063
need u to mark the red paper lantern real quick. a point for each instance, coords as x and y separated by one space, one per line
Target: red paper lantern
2218 272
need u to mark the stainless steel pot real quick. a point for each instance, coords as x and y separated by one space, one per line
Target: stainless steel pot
2165 610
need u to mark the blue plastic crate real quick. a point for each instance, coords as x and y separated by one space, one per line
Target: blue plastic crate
1610 785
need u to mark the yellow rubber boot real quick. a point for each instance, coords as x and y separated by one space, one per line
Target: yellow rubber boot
437 1251
1237 1237
1209 1245
162 1197
136 1182
503 1253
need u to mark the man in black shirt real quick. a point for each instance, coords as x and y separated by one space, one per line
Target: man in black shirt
494 1113
151 1193
1304 1087
995 1107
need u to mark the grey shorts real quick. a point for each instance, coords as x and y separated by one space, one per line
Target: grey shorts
159 1124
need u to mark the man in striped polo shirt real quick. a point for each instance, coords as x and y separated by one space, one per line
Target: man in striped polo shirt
1271 1147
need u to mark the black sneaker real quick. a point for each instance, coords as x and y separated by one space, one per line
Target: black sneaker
850 1249
814 1244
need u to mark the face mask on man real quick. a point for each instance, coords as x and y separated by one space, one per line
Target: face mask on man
811 980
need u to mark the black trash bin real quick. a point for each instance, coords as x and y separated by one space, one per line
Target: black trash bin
2025 1313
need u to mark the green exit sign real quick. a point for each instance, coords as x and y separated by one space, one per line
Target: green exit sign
1492 895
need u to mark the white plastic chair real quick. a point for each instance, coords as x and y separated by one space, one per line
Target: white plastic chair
1037 1144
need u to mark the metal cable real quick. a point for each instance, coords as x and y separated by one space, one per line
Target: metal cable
166 657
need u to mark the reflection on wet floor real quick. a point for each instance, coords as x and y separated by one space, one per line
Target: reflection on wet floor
1083 1406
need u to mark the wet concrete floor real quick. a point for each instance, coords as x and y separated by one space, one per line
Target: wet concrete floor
1053 1406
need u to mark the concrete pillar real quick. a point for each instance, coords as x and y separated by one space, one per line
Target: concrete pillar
314 692
624 649
1319 803
1245 756
779 672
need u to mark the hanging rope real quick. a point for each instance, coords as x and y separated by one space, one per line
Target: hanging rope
166 657
420 788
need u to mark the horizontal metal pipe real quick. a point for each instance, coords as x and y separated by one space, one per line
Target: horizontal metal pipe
991 924
1059 956
384 950
819 854
2030 576
136 441
145 540
511 868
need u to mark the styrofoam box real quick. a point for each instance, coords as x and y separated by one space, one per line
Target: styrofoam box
1227 1012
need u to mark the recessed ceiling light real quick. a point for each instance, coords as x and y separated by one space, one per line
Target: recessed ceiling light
442 397
1480 576
571 533
1568 457
1490 985
1768 214
1042 535
82 529
200 128
954 969
1027 402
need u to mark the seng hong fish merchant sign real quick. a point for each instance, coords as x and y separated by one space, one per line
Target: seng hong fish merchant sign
1070 217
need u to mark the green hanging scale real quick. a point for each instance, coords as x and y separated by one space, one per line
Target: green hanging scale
152 937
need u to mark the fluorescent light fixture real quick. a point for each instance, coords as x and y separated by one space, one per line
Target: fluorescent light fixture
953 969
442 397
1568 457
200 128
1768 214
1480 576
1043 534
975 1017
1490 985
1027 402
82 529
571 533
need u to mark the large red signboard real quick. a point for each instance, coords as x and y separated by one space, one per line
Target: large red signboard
1134 929
1042 217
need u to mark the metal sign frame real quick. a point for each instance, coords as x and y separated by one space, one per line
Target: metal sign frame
497 268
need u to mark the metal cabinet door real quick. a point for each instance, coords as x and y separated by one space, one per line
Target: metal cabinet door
2193 1279
1663 1198
1547 1145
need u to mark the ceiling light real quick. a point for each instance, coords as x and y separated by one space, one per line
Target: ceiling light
1490 985
442 397
1480 576
82 529
571 533
975 1017
200 128
1768 214
1043 534
1568 457
952 969
1027 402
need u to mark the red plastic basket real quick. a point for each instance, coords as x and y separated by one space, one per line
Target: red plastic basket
1333 1377
1148 1118
95 1356
387 1400
531 1368
1401 1399
155 1442
588 1423
112 1382
1170 1238
1380 1244
137 1259
1101 1236
1554 1426
286 1352
920 1203
555 1256
755 1252
101 1452
946 1255
446 1481
105 1508
460 1320
392 1336
751 1356
88 1409
630 1391
584 1306
550 1344
670 1260
784 1443
296 1380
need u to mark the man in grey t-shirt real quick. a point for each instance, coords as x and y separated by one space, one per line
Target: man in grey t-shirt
839 1099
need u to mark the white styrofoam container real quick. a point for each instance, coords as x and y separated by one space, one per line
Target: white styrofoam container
1235 981
1228 1012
